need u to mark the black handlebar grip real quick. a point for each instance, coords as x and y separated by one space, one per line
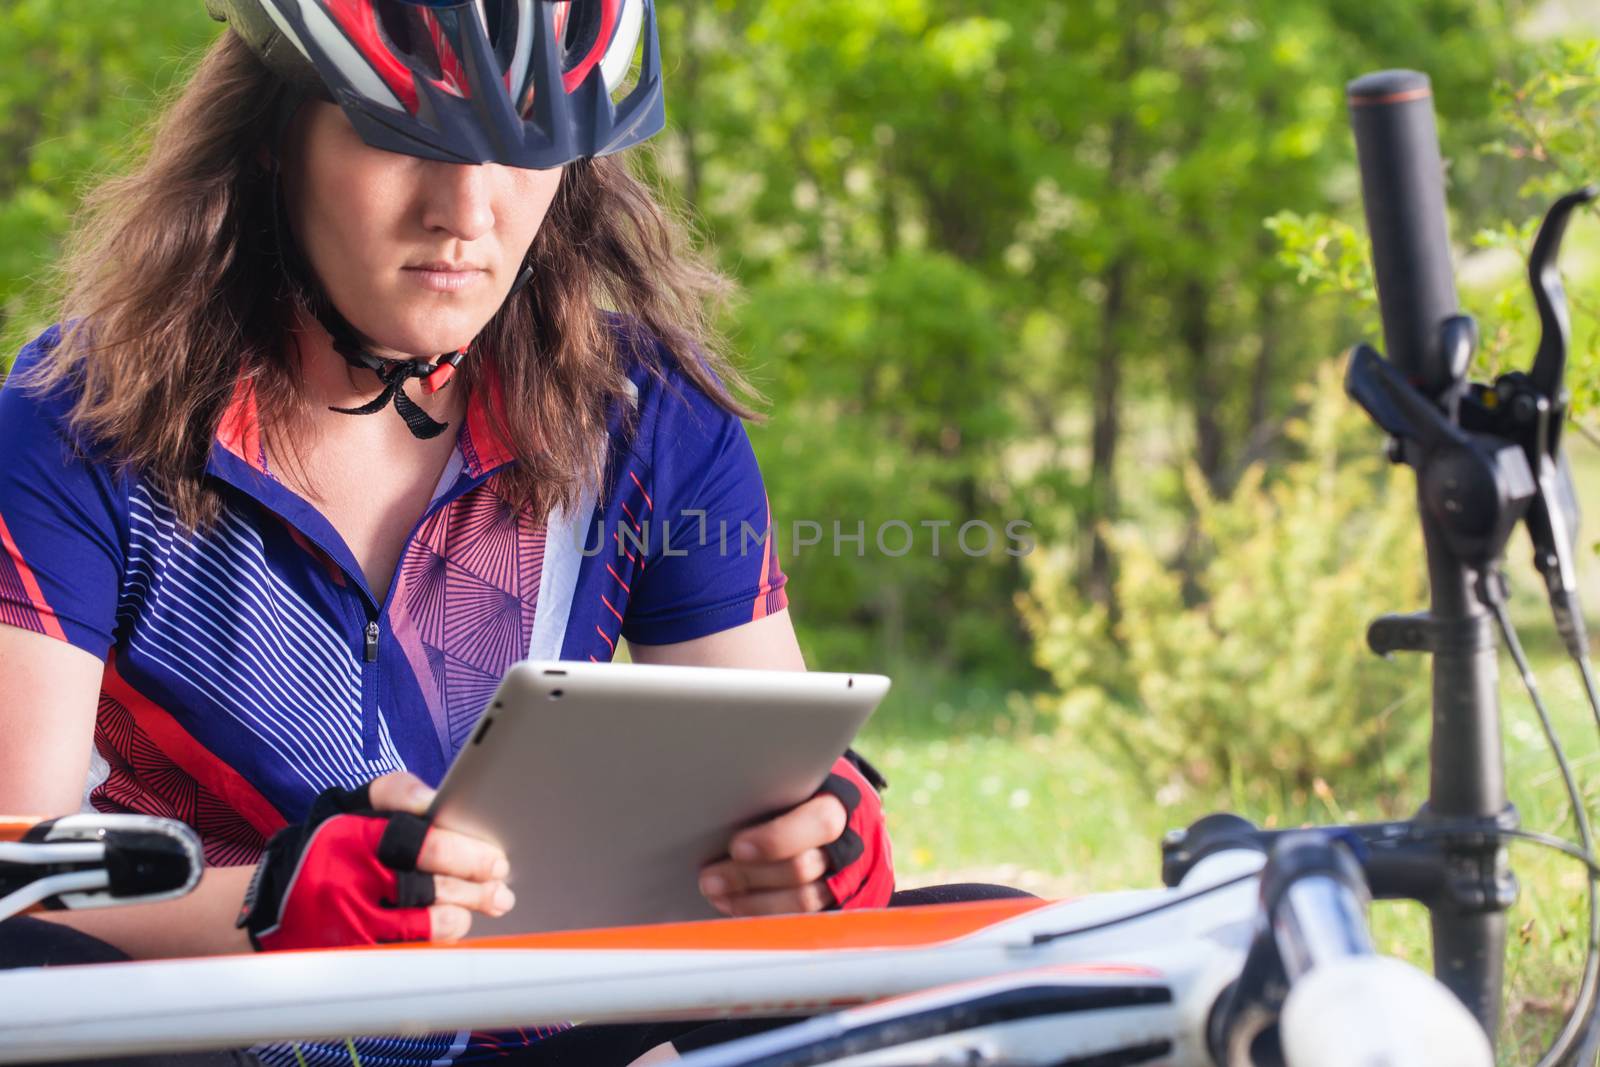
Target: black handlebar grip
1402 180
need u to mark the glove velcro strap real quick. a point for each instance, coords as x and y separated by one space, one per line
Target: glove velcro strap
275 874
412 889
860 867
836 785
401 842
844 851
337 801
868 771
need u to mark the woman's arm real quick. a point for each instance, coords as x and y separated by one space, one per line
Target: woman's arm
200 924
47 713
47 710
468 877
766 644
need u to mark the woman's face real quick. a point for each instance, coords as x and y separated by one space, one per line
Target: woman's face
418 255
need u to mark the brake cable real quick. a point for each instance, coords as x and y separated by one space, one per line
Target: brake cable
1580 1021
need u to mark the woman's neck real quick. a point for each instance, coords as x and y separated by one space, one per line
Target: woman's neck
313 445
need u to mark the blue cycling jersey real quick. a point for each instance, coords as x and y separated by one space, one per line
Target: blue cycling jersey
249 666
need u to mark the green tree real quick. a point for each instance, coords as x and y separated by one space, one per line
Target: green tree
980 247
75 90
1101 169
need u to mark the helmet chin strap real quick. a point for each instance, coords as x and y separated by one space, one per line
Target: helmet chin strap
394 373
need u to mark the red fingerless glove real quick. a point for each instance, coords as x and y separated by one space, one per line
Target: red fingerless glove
860 864
345 876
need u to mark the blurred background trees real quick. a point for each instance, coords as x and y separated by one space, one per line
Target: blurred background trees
76 86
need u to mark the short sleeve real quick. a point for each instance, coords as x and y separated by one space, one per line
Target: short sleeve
60 535
712 557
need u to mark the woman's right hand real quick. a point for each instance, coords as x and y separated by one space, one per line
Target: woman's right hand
367 867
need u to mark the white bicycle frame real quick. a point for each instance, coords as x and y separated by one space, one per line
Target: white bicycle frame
1138 978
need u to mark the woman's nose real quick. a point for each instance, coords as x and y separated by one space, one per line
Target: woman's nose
458 200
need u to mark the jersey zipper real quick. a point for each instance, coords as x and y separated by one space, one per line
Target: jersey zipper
369 692
284 503
370 678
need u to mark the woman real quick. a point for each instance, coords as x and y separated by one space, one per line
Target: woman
264 545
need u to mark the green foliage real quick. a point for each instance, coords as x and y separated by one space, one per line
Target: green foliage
1550 123
1545 134
1550 117
74 91
1256 683
1328 255
889 408
1097 174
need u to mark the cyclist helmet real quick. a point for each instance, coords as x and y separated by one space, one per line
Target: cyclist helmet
527 83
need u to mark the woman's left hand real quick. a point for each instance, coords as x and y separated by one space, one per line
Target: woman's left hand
778 866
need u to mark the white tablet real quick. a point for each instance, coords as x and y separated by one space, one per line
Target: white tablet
610 785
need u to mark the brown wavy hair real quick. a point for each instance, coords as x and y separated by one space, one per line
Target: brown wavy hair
176 290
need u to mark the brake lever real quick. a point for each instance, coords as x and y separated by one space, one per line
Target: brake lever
1530 408
1549 371
1396 405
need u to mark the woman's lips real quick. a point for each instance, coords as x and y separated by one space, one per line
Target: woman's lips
444 281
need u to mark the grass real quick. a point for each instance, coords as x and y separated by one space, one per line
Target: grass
982 790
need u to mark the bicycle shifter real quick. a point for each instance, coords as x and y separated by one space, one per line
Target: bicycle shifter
1476 485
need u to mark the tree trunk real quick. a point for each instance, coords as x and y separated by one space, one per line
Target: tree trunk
1098 571
1206 381
888 210
1097 568
1267 324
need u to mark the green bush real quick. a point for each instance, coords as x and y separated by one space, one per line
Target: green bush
1255 683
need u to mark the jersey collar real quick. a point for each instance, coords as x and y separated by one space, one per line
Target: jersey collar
239 459
483 450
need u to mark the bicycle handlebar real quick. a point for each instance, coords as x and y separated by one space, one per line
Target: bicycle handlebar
1375 1011
1402 179
95 861
1345 1004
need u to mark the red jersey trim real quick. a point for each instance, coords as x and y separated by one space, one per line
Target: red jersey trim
195 759
240 429
488 449
770 597
48 623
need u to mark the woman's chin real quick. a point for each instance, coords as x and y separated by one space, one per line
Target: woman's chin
425 344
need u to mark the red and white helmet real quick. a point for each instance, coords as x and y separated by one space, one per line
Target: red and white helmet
527 83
